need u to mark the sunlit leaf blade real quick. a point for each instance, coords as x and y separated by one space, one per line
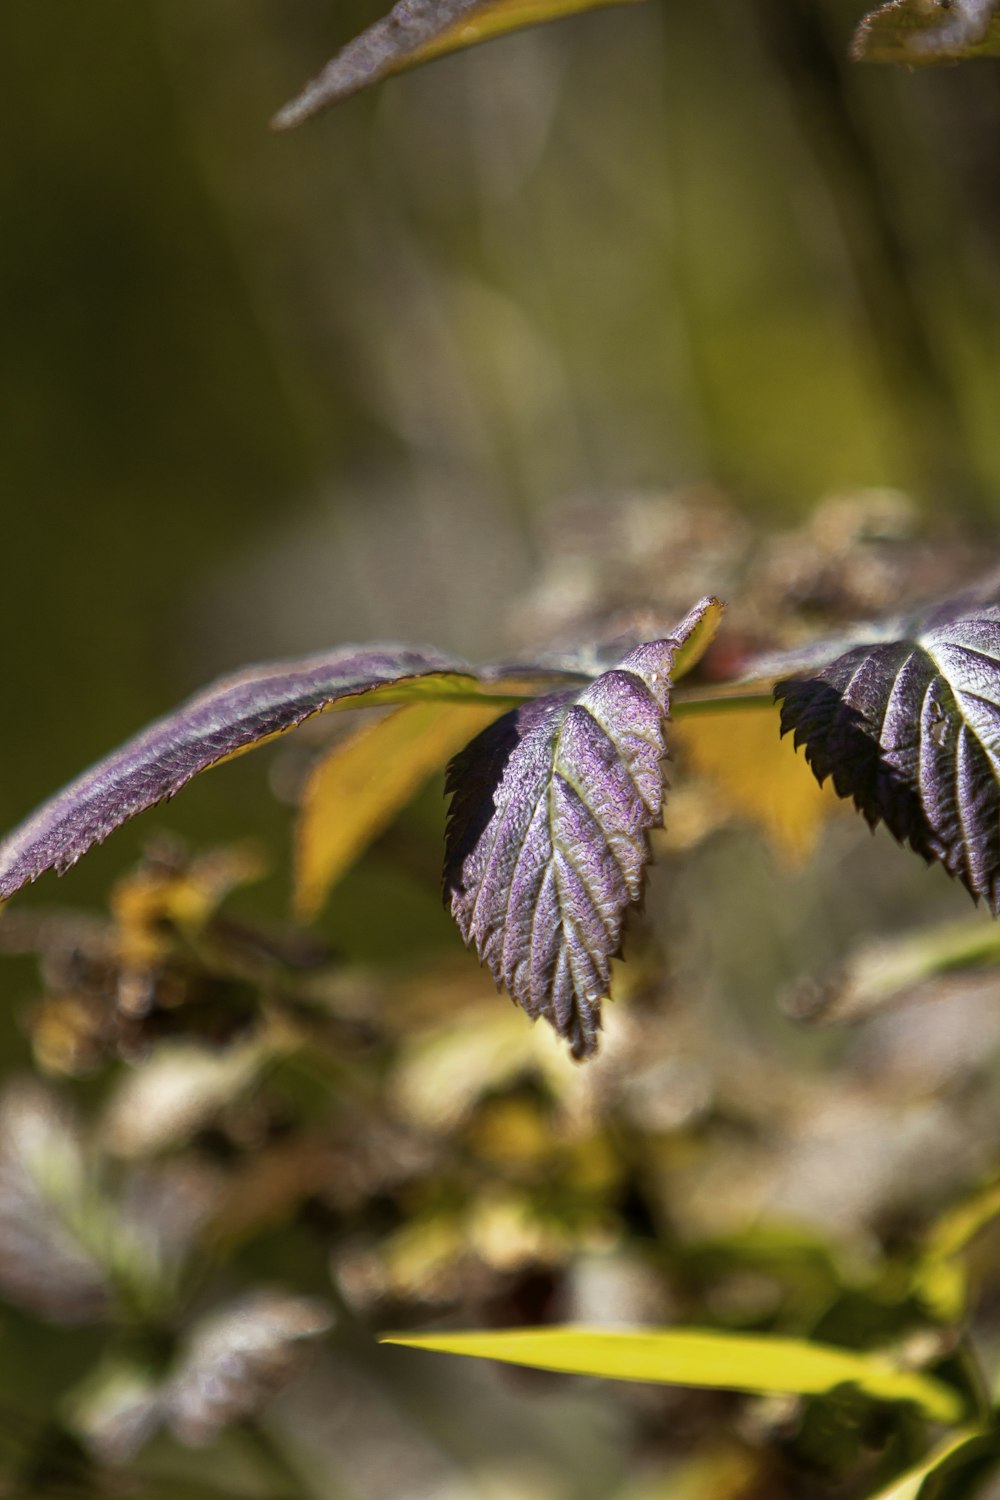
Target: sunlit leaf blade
356 790
928 31
414 32
700 1357
948 1455
547 835
910 729
235 715
756 774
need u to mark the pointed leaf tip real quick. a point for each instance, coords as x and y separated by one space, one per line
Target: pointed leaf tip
755 1363
415 32
547 833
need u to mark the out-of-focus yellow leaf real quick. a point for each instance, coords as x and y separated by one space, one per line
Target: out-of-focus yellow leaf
414 33
954 1451
940 1279
356 790
701 1357
955 1229
757 774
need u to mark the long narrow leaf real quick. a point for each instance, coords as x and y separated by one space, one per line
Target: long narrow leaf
227 719
414 32
755 1363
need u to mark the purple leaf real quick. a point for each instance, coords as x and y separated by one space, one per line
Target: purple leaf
547 835
910 729
415 31
226 719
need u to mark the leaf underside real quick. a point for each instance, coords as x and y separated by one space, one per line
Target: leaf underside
414 32
910 729
928 31
547 833
229 718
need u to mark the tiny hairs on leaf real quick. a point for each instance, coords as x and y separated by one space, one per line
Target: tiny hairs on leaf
909 728
547 834
233 716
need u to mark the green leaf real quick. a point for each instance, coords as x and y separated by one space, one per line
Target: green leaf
701 1357
951 1454
356 790
414 32
928 31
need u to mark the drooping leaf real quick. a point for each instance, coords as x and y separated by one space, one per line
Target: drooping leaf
951 1454
414 32
909 727
756 1363
233 716
547 835
756 775
928 31
356 790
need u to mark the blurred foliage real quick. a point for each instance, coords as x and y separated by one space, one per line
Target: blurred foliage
552 330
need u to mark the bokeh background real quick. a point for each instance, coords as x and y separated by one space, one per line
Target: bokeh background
447 366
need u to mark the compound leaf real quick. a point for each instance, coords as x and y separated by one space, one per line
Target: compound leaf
909 727
756 1363
229 718
929 31
547 835
415 31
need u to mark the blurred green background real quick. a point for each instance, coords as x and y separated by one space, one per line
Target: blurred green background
264 394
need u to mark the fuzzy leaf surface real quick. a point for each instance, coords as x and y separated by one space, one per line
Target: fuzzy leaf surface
929 31
757 1363
909 728
547 836
414 32
229 718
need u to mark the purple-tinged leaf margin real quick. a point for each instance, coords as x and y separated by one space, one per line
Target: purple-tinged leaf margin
547 833
415 32
233 716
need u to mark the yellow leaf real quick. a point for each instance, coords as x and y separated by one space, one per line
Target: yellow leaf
756 774
354 792
702 1357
